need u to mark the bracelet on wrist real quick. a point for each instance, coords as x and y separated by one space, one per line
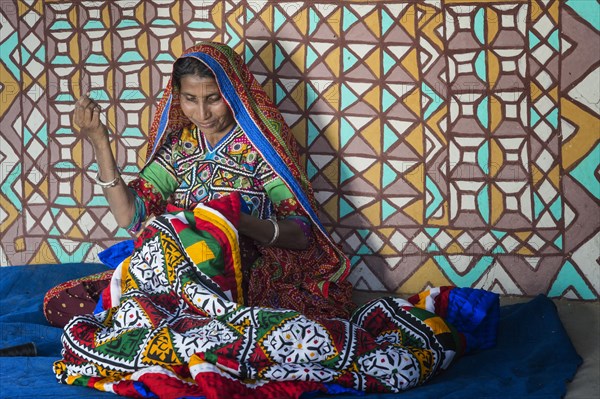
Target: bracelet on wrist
108 184
275 231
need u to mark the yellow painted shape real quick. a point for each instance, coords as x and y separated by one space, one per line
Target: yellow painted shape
430 23
373 97
373 23
443 220
73 16
9 90
554 94
387 232
524 251
200 252
496 158
216 13
553 11
266 55
301 20
176 12
298 94
267 17
140 12
75 232
373 175
523 236
580 143
333 62
373 213
413 101
372 135
299 132
427 275
373 61
332 95
497 206
73 212
407 21
554 176
411 64
387 250
415 139
332 172
534 91
454 248
492 23
415 210
434 123
493 68
416 177
298 57
536 174
331 207
496 115
20 244
536 9
335 22
44 254
332 134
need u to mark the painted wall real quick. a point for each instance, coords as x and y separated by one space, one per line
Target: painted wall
449 142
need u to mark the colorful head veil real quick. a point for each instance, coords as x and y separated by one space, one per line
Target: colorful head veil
264 126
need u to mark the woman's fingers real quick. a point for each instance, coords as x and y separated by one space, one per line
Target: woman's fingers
87 112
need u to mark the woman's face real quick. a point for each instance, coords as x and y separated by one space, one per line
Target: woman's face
202 103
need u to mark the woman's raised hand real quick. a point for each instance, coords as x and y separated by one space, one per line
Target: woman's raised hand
87 118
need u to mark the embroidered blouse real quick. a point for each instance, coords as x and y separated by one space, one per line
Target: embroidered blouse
187 170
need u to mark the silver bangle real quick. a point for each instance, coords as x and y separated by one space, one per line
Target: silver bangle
109 184
275 231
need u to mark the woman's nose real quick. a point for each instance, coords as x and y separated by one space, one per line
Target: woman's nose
201 112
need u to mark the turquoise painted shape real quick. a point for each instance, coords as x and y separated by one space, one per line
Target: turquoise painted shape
234 37
387 209
480 267
552 117
558 242
63 130
567 277
554 40
534 117
162 22
7 189
131 95
433 248
42 134
355 259
313 21
6 49
65 201
587 10
40 54
386 22
165 57
248 54
389 137
533 40
280 93
584 172
132 132
311 95
349 19
64 257
479 25
102 95
62 60
98 200
436 100
27 136
130 169
25 55
388 175
278 19
96 59
483 157
128 23
538 206
130 56
556 208
363 233
498 234
311 169
432 231
54 232
387 99
204 25
311 56
348 97
313 133
436 195
344 207
249 15
65 165
279 57
346 131
345 172
388 62
54 211
61 24
483 112
483 203
348 59
481 67
94 24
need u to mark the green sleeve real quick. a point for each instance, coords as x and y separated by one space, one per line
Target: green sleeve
164 182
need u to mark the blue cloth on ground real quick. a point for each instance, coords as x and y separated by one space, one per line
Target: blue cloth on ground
533 357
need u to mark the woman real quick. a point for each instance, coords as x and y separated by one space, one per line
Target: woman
200 154
196 310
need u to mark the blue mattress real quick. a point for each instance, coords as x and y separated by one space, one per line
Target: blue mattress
534 357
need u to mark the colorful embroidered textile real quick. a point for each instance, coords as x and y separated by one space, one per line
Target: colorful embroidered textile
312 281
179 329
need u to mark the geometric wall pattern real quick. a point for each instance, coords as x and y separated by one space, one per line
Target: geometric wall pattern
448 142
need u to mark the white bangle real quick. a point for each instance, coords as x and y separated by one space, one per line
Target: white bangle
109 184
275 231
